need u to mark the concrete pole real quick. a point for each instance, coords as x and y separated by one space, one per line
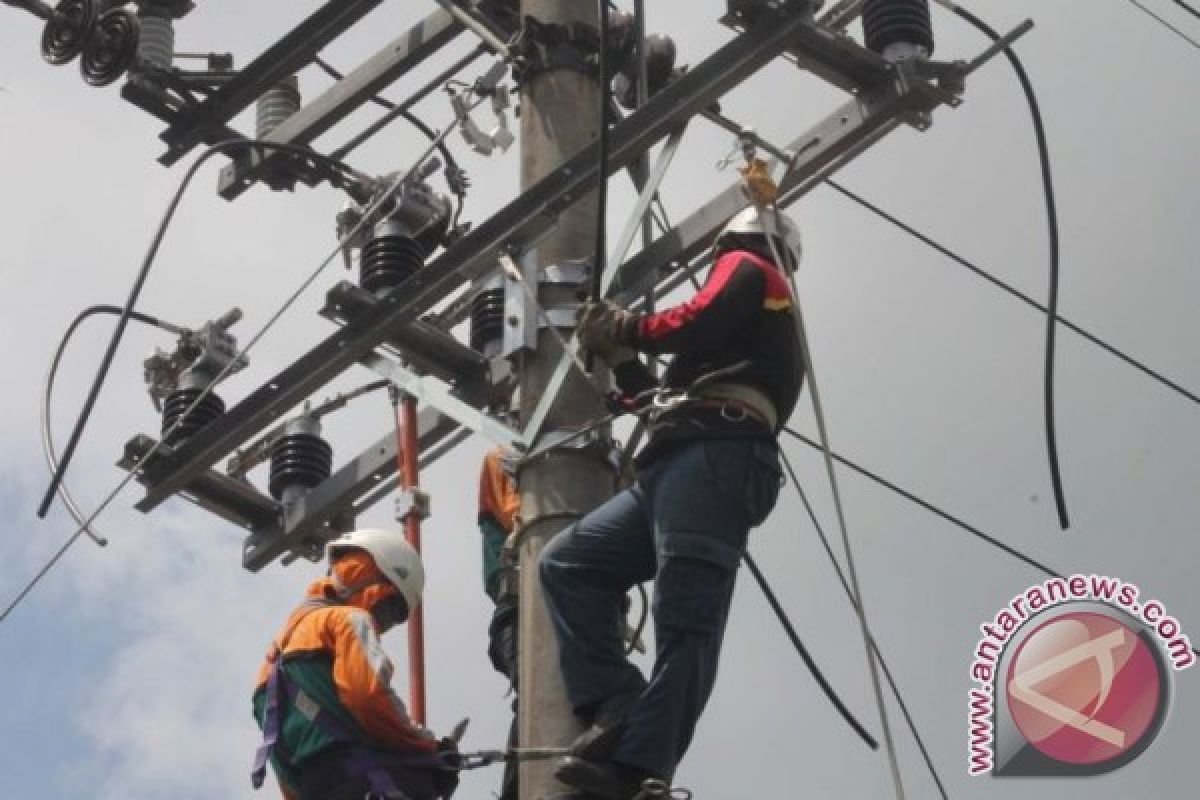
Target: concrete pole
559 116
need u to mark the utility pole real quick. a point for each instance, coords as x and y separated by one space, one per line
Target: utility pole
559 117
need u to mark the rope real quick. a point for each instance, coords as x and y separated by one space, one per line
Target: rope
819 413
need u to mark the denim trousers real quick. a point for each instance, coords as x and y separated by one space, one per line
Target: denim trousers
683 524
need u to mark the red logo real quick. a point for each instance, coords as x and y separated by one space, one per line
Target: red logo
1085 689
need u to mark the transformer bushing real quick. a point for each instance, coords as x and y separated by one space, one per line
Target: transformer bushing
276 105
177 404
156 45
899 30
487 317
300 460
390 257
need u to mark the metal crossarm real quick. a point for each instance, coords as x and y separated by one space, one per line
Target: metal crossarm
519 221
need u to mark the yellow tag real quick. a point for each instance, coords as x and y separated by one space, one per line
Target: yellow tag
758 184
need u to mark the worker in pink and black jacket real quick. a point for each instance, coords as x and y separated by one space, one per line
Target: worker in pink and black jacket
709 473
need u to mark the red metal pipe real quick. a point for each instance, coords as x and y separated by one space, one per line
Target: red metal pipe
406 456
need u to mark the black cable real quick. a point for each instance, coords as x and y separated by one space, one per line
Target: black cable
408 116
140 280
1166 24
887 672
804 654
51 373
1188 8
1052 224
1010 290
602 173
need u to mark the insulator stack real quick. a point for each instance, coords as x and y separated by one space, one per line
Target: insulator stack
112 47
898 29
276 105
487 318
68 30
176 407
391 257
300 460
156 47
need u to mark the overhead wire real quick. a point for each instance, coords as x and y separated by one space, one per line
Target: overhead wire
1189 9
169 213
925 504
788 628
987 276
887 672
1052 230
48 392
1172 28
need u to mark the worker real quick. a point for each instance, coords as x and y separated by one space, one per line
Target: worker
498 507
333 729
710 472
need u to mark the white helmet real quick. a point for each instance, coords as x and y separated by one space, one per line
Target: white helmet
396 559
768 222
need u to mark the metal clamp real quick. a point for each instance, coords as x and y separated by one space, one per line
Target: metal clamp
410 502
544 47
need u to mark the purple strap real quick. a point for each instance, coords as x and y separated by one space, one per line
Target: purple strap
271 725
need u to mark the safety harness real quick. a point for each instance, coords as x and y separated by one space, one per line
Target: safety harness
358 759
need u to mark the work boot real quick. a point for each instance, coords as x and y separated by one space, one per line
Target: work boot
608 721
602 779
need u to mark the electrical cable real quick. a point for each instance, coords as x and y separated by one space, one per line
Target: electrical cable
1173 29
1188 8
1052 227
136 469
782 616
48 392
602 172
140 280
408 116
1011 290
907 495
887 672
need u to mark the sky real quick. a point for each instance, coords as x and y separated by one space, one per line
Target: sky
127 672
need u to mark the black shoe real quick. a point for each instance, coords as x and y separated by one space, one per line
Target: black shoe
597 742
603 779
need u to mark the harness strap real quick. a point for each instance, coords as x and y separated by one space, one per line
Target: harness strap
749 398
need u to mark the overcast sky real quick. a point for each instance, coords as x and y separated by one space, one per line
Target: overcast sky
127 673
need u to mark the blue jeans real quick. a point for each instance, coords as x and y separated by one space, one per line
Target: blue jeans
683 524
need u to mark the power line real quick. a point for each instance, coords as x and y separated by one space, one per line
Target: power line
1130 360
1188 8
1168 25
887 672
971 529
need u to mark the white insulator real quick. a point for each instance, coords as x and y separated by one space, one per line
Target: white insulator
276 105
156 44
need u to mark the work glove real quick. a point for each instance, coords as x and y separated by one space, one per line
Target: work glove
446 779
602 328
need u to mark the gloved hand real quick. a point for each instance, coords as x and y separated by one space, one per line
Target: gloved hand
446 780
601 326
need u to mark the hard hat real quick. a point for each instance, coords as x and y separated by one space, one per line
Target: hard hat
396 559
750 221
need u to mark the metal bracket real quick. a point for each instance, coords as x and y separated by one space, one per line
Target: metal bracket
437 395
410 502
520 307
550 46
